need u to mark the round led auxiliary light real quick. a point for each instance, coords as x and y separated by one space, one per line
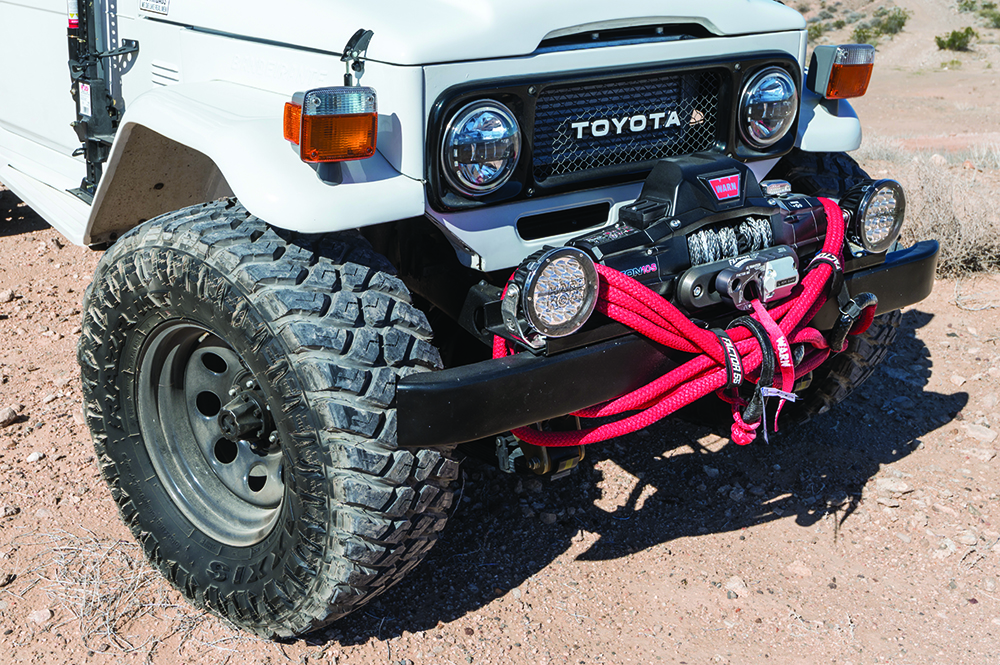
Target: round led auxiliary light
877 210
560 292
480 149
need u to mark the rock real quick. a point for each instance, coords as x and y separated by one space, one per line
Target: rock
533 485
799 569
736 585
547 518
892 486
35 457
968 165
980 432
737 494
981 454
944 549
941 508
10 511
7 295
938 160
967 538
41 616
756 490
516 593
711 472
905 538
891 503
48 399
958 379
990 401
7 579
7 416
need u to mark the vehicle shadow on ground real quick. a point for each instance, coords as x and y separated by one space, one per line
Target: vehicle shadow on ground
16 217
496 540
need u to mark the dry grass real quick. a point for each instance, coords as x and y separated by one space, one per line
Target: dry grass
119 604
945 201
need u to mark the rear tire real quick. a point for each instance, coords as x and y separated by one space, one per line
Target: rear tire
314 331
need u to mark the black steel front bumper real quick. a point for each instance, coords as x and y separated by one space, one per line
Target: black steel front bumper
494 396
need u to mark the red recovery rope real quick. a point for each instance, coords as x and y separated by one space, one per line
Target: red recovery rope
645 311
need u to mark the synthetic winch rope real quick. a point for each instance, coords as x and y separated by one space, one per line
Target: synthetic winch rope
630 303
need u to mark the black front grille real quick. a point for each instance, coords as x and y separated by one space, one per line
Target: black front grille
620 125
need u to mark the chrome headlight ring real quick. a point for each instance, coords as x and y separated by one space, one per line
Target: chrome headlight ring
480 148
768 106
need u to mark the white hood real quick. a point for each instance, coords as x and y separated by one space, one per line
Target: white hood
420 32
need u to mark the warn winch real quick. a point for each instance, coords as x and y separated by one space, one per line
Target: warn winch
705 235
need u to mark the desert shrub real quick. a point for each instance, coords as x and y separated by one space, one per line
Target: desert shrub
839 23
854 17
890 21
863 35
816 31
944 205
992 17
967 5
957 40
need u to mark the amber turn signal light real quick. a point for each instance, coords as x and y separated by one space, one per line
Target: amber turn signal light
841 72
338 138
293 122
333 124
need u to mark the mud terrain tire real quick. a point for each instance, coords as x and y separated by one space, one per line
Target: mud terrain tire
831 175
324 330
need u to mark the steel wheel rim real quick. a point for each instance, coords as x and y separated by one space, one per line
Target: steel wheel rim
231 491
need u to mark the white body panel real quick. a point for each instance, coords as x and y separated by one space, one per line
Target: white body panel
827 125
237 128
433 31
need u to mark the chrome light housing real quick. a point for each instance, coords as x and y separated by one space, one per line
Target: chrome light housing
768 106
876 211
552 294
480 148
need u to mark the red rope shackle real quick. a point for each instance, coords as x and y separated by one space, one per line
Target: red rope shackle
645 311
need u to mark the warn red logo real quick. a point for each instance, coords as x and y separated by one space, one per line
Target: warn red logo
726 187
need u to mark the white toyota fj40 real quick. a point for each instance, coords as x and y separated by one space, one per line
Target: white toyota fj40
345 241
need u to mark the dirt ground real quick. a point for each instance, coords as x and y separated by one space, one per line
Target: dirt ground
870 535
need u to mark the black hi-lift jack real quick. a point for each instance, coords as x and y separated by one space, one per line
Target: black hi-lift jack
97 112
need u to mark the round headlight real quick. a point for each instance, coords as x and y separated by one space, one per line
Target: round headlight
877 217
480 148
767 107
560 292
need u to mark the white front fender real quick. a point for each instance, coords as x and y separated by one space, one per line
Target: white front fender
189 143
827 125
